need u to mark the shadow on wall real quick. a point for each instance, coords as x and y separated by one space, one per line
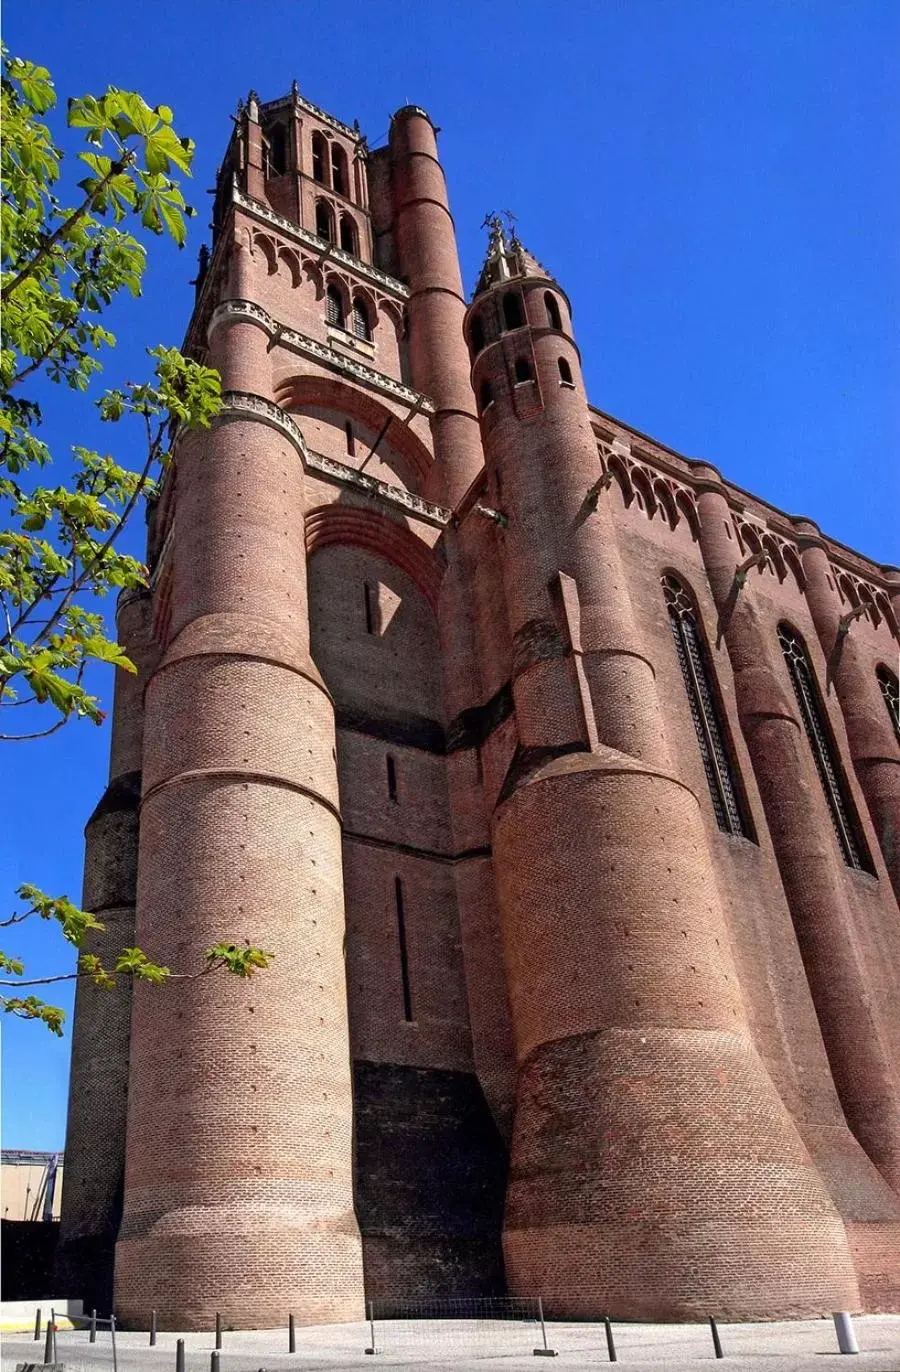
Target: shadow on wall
29 1247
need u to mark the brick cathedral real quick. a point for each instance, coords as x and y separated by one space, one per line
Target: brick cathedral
561 776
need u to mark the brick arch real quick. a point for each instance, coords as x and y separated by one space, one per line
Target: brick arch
346 524
296 391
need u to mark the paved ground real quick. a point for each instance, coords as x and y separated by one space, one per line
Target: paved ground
802 1346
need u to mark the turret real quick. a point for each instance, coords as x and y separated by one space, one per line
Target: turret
426 249
640 1093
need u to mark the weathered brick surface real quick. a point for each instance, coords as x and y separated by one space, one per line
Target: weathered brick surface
446 769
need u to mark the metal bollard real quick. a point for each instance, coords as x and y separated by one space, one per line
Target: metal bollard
292 1335
92 1336
48 1343
717 1345
37 1326
179 1356
846 1335
214 1361
218 1330
543 1351
112 1335
152 1328
53 1327
610 1341
373 1349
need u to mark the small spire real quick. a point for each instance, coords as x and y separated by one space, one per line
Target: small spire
506 256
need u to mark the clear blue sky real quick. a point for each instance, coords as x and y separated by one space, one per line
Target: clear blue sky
714 182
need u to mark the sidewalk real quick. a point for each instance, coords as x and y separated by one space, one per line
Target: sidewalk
801 1346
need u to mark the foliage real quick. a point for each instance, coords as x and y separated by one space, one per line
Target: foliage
64 260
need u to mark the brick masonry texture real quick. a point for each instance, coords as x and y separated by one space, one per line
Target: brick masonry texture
537 1022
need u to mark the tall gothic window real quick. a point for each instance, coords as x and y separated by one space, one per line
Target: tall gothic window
338 169
319 154
553 317
334 307
276 151
513 312
890 689
324 221
721 775
361 325
348 235
828 765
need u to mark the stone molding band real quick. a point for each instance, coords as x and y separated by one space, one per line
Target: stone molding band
390 284
241 405
241 774
292 339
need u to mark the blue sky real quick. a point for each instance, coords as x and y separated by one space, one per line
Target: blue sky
712 181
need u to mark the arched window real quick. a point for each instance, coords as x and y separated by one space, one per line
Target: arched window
276 154
319 158
565 372
334 307
338 169
891 692
361 326
485 396
324 221
553 318
476 333
350 437
513 313
828 765
348 235
523 370
721 775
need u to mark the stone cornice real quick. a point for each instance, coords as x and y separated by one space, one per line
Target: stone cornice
387 283
296 101
239 404
319 352
382 490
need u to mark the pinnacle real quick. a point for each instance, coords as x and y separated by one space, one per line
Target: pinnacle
506 258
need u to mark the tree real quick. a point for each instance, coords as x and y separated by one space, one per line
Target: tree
63 262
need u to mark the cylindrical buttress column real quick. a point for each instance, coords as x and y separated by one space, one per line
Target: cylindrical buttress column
238 1190
870 734
101 1032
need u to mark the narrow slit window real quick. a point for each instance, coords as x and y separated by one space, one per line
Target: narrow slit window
553 315
565 372
370 609
721 776
351 439
391 778
476 334
890 689
485 395
523 370
404 958
840 805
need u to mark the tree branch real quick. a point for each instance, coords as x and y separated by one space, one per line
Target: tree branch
47 247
